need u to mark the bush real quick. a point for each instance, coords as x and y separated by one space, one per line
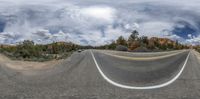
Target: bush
141 49
28 51
121 48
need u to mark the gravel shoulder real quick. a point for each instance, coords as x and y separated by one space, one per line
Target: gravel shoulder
27 65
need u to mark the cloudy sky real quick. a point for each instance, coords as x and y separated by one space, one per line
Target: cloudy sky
97 22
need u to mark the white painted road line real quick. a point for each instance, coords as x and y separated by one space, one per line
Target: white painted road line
135 87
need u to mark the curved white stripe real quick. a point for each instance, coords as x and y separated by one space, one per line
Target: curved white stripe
134 87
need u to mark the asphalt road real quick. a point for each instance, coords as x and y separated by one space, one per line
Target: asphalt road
79 78
141 72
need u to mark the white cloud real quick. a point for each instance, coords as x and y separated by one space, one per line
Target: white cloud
102 13
190 35
193 40
155 29
95 22
132 26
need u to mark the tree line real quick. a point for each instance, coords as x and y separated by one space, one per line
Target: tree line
143 43
28 50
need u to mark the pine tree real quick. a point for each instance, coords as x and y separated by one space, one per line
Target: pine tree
121 41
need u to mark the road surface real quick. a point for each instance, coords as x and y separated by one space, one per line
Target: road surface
79 77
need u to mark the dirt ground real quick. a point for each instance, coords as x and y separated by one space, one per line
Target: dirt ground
197 54
27 65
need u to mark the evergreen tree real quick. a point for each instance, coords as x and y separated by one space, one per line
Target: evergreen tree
121 41
133 36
